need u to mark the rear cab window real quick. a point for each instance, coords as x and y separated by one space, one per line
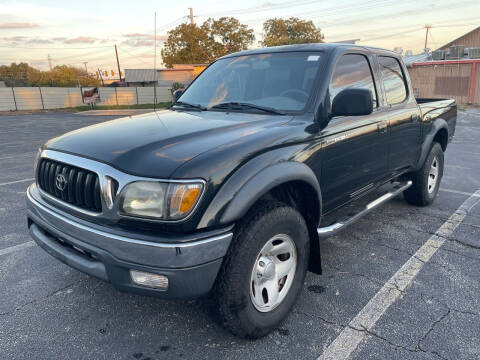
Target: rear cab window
352 71
393 80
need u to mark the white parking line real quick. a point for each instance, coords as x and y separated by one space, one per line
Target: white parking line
357 330
16 182
459 192
19 155
17 247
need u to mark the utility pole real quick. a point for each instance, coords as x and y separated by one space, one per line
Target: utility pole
50 62
101 77
427 27
191 16
118 63
86 70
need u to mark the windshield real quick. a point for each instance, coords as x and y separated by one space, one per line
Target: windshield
279 81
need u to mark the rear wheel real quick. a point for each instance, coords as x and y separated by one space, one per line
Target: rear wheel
264 270
426 181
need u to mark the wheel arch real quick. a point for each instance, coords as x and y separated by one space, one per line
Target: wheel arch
277 177
442 138
437 133
290 182
298 194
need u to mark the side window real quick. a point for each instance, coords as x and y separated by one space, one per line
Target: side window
352 71
393 80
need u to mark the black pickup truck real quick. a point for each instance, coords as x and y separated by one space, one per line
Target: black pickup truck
230 191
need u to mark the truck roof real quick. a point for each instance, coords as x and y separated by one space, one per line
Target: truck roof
328 47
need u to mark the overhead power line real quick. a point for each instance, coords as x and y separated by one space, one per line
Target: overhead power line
391 35
53 48
333 10
270 7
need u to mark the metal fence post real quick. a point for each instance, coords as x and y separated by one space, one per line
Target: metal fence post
41 98
14 100
136 92
116 97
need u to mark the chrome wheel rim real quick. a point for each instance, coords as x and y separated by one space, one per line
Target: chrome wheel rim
433 175
273 272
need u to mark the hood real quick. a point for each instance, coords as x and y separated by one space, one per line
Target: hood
155 144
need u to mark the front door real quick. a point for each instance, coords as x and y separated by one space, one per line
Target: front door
354 148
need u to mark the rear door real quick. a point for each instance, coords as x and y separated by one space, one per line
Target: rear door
354 148
404 116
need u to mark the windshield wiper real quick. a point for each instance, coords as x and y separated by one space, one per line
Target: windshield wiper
241 105
186 104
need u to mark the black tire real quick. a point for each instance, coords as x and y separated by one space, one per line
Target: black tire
419 193
236 309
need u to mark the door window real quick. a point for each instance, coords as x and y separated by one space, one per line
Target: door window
393 80
352 71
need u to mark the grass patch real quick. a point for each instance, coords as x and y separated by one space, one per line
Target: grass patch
162 105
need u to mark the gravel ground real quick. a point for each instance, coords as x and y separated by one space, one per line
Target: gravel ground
50 311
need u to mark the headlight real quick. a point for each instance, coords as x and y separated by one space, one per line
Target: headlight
165 201
144 198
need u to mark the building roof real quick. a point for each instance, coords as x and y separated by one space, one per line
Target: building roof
447 45
409 60
139 75
148 75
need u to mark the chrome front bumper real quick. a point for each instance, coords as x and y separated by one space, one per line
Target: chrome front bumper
193 260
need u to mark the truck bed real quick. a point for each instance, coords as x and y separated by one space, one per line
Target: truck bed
443 108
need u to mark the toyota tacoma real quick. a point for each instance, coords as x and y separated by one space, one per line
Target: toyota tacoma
231 190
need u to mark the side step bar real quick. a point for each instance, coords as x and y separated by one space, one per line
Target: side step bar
336 227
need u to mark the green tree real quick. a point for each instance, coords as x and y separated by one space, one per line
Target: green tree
227 35
193 44
16 74
186 44
24 75
290 31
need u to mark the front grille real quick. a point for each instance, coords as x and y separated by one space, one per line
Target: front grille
80 187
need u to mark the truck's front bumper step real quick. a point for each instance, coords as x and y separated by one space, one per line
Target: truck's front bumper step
339 225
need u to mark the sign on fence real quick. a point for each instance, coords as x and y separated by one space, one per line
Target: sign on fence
91 97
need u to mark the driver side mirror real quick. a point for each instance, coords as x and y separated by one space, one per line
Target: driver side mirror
352 102
177 94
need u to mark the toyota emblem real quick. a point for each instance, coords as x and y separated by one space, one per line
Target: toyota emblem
60 182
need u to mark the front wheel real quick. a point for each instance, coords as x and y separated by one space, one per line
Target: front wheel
264 270
426 181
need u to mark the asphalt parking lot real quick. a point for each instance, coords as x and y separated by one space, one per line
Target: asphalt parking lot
50 311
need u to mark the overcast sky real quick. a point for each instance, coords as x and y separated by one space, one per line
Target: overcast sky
76 31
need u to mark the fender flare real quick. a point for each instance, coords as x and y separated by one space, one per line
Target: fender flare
243 189
437 125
